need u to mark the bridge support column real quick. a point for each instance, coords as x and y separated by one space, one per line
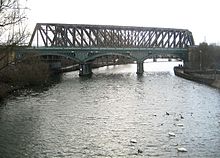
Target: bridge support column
85 69
140 68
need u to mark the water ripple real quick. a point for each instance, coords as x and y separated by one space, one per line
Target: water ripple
113 114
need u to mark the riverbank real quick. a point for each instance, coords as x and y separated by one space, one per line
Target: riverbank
28 73
21 77
4 90
209 77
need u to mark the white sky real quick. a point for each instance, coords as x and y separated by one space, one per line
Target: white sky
202 17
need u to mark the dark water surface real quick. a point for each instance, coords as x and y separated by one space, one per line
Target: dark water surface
113 114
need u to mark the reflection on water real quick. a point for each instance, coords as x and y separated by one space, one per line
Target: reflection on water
114 114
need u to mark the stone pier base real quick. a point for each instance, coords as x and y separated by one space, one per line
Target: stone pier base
140 68
85 69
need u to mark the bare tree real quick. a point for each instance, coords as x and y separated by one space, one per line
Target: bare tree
12 30
12 17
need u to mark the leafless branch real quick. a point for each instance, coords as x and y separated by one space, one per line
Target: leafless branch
12 17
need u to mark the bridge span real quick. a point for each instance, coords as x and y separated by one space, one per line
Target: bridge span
85 43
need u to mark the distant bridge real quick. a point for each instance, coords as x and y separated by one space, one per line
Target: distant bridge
84 43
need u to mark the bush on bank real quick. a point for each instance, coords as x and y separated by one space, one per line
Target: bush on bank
29 72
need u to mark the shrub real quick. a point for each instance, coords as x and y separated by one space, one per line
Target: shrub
30 71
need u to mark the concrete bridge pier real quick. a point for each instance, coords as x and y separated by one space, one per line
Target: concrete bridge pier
140 68
85 69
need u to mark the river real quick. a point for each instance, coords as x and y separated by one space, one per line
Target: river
113 114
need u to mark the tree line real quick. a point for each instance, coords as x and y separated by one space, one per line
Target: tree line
205 57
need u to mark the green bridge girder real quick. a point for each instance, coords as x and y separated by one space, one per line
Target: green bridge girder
83 55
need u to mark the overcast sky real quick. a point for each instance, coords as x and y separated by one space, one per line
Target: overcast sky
202 17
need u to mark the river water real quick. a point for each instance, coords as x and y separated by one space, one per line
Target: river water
113 114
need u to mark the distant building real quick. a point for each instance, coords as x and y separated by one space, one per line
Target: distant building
215 44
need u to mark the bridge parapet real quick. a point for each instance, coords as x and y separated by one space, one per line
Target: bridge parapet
107 36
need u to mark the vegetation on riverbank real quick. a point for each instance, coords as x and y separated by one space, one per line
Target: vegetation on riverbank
13 33
29 72
205 57
204 65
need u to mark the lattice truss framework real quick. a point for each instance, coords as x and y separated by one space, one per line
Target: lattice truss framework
107 36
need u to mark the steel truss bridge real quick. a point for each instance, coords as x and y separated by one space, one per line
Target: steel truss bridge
84 43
